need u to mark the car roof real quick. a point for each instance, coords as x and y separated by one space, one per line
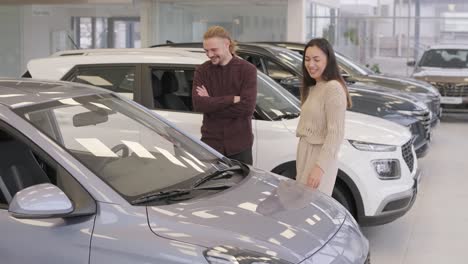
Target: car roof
57 65
448 46
129 51
264 48
21 92
286 44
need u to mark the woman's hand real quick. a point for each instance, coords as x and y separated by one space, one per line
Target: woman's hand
315 177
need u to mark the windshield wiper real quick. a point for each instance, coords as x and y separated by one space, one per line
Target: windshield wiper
286 116
226 172
218 174
172 193
161 195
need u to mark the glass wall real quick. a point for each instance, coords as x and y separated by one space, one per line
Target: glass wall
183 22
381 33
35 31
386 34
106 32
320 21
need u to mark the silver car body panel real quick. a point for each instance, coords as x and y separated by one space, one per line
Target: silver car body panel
274 216
299 220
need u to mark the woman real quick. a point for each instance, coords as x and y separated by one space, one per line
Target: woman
324 98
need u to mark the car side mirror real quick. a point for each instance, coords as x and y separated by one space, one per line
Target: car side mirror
348 78
40 201
411 63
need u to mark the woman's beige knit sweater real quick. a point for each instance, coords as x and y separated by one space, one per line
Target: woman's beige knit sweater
322 120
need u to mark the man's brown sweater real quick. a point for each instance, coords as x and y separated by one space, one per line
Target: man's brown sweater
227 126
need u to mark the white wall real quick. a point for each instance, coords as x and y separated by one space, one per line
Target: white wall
39 23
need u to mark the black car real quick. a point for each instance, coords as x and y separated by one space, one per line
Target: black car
353 71
282 65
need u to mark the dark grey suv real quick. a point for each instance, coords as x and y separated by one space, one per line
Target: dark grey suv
353 71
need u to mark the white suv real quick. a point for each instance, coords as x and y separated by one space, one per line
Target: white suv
378 171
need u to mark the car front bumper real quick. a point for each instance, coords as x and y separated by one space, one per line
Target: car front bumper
422 149
347 246
454 105
394 206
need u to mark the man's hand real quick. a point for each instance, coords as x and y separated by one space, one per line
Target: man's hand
201 91
236 99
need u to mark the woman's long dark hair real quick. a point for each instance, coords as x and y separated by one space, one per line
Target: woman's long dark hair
331 71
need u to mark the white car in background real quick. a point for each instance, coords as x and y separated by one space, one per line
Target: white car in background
378 171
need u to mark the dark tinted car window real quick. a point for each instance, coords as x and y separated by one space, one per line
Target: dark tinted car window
22 167
445 58
255 60
172 89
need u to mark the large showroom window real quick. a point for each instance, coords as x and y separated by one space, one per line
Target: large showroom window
185 22
320 21
102 32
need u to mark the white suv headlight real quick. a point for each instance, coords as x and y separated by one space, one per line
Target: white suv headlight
364 146
387 169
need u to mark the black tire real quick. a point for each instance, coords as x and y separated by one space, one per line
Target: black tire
342 195
289 172
368 260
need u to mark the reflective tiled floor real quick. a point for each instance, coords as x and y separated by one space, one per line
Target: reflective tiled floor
436 228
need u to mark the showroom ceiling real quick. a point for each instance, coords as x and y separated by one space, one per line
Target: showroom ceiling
57 2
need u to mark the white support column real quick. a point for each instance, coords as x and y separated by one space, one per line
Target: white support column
296 20
146 20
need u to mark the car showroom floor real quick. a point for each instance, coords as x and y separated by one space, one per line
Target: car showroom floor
436 228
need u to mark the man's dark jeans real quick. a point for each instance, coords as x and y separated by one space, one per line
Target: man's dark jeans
244 156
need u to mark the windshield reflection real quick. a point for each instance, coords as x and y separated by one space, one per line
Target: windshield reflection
131 150
288 57
273 101
351 65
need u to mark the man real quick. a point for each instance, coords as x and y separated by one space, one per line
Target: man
225 91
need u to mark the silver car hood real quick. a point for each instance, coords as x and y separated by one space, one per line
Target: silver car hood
265 213
401 79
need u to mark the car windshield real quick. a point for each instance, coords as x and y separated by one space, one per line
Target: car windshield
445 58
288 57
294 59
273 101
350 65
131 150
